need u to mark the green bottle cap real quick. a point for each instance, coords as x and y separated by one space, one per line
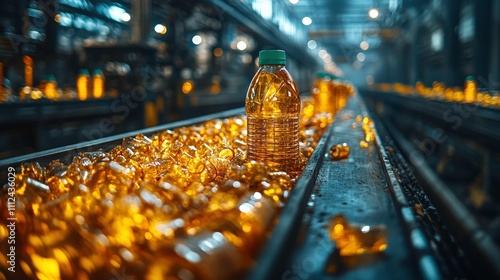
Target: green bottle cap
274 57
470 78
51 78
322 75
84 72
97 72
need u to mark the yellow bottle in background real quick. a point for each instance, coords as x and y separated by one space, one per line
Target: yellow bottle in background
50 87
323 94
340 91
470 90
438 89
272 108
83 85
98 84
28 70
25 92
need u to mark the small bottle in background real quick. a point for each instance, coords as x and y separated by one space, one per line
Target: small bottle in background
25 92
323 94
83 85
98 83
470 90
50 87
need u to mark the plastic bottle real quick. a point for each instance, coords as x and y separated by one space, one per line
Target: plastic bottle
470 90
245 226
323 94
340 91
208 255
25 92
98 84
28 70
272 108
83 84
50 87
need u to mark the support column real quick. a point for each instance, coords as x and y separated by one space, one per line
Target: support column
451 43
141 21
482 38
495 48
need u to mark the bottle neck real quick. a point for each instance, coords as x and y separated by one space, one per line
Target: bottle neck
272 66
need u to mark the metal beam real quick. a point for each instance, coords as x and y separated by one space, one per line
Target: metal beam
387 34
326 33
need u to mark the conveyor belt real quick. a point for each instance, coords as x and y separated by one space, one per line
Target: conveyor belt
470 121
48 110
460 141
359 187
455 231
66 153
35 125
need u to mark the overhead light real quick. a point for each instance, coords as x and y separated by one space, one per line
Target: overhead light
306 21
196 39
160 29
116 13
373 13
312 44
125 17
361 57
293 2
322 53
218 52
241 45
364 45
437 40
327 58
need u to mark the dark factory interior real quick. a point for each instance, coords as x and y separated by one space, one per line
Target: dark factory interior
250 139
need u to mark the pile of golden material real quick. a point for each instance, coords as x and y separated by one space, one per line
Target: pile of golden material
352 239
340 151
368 129
181 204
438 90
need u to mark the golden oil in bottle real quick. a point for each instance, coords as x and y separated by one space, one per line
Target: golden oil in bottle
323 94
98 84
272 108
83 85
208 255
51 87
341 92
470 90
28 70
